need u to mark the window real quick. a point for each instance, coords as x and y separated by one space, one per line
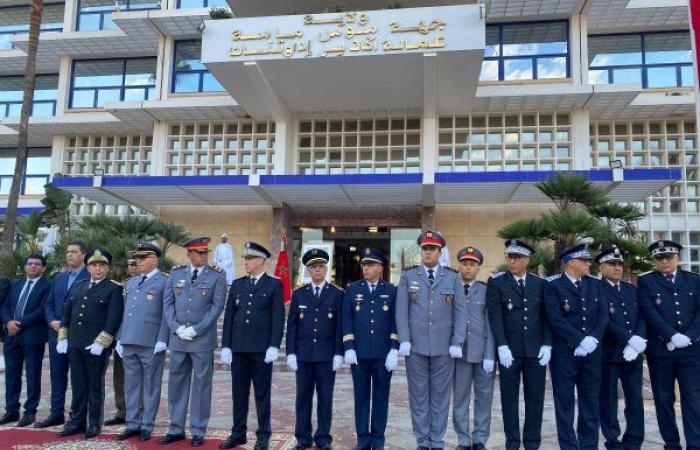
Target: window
97 82
97 14
15 20
183 4
36 176
189 74
655 60
529 51
45 92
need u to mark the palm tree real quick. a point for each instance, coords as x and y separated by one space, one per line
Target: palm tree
21 162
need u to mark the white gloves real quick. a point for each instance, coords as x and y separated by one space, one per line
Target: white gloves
337 362
670 346
119 349
292 362
350 357
271 355
392 360
455 351
62 346
226 356
488 365
189 331
182 334
505 356
580 351
95 349
639 344
589 343
405 349
160 347
629 353
545 355
681 340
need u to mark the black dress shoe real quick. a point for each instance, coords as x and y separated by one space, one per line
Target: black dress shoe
126 434
91 432
325 447
197 441
464 447
9 417
169 438
301 447
50 422
233 441
145 435
70 430
114 421
262 444
478 446
26 420
422 448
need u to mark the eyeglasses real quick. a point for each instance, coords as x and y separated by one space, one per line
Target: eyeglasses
33 264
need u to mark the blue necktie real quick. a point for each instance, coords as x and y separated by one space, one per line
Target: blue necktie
19 310
72 275
431 277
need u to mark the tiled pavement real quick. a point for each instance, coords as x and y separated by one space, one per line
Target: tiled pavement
399 435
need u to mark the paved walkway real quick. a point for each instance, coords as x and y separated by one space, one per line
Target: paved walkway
399 434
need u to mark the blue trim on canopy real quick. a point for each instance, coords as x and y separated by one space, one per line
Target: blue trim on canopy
23 211
267 180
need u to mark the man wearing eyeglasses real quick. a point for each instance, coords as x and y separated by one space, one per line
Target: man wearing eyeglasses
670 302
624 343
25 337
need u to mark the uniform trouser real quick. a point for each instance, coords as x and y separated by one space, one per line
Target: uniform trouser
630 375
190 370
58 366
248 368
533 377
319 377
573 376
663 373
87 379
371 382
18 355
467 376
118 386
429 390
143 373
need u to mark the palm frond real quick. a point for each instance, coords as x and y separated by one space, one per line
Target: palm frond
567 189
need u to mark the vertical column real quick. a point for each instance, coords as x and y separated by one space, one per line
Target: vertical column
427 218
164 69
429 135
580 129
70 13
160 145
285 133
57 147
281 218
578 49
63 94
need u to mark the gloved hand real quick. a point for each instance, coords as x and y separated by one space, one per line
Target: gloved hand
182 334
670 346
226 356
639 344
392 360
95 349
405 349
190 331
350 357
455 351
580 351
545 355
120 349
680 340
160 347
505 356
292 362
271 355
488 365
337 362
62 346
589 343
629 353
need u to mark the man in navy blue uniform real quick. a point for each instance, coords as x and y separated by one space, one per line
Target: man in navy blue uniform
624 343
25 339
53 309
524 341
578 317
315 349
670 301
371 347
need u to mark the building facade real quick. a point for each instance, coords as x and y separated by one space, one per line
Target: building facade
358 122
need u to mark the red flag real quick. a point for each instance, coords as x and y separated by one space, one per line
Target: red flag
282 271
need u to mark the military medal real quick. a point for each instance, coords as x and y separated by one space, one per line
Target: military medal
612 308
204 292
330 314
301 315
385 307
238 300
358 298
178 287
510 305
449 298
413 291
658 299
149 296
567 307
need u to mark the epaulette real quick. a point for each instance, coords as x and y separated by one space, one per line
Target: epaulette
553 277
452 269
82 280
216 268
115 282
497 274
536 275
595 277
341 289
411 267
179 266
274 276
479 281
645 273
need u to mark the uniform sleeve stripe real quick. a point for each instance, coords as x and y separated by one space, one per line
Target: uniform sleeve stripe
394 337
348 337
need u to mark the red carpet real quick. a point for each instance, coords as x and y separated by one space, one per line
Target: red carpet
29 439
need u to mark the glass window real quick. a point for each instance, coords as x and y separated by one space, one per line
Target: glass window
96 15
15 20
189 74
183 4
535 39
45 94
668 48
36 176
606 51
97 82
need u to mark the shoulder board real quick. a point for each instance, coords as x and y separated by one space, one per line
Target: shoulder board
304 286
165 274
535 275
115 282
595 277
497 274
553 277
481 282
645 273
179 266
411 267
451 269
216 268
338 287
687 272
82 280
273 276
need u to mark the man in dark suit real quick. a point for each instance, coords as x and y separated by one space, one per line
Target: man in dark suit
253 327
25 337
4 290
53 310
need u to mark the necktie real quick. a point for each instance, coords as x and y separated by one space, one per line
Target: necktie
195 274
71 277
317 292
617 287
92 285
669 277
143 280
521 285
578 284
19 310
466 290
372 288
431 277
252 281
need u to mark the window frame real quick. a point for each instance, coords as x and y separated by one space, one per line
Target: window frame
26 176
199 72
42 28
126 7
6 104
